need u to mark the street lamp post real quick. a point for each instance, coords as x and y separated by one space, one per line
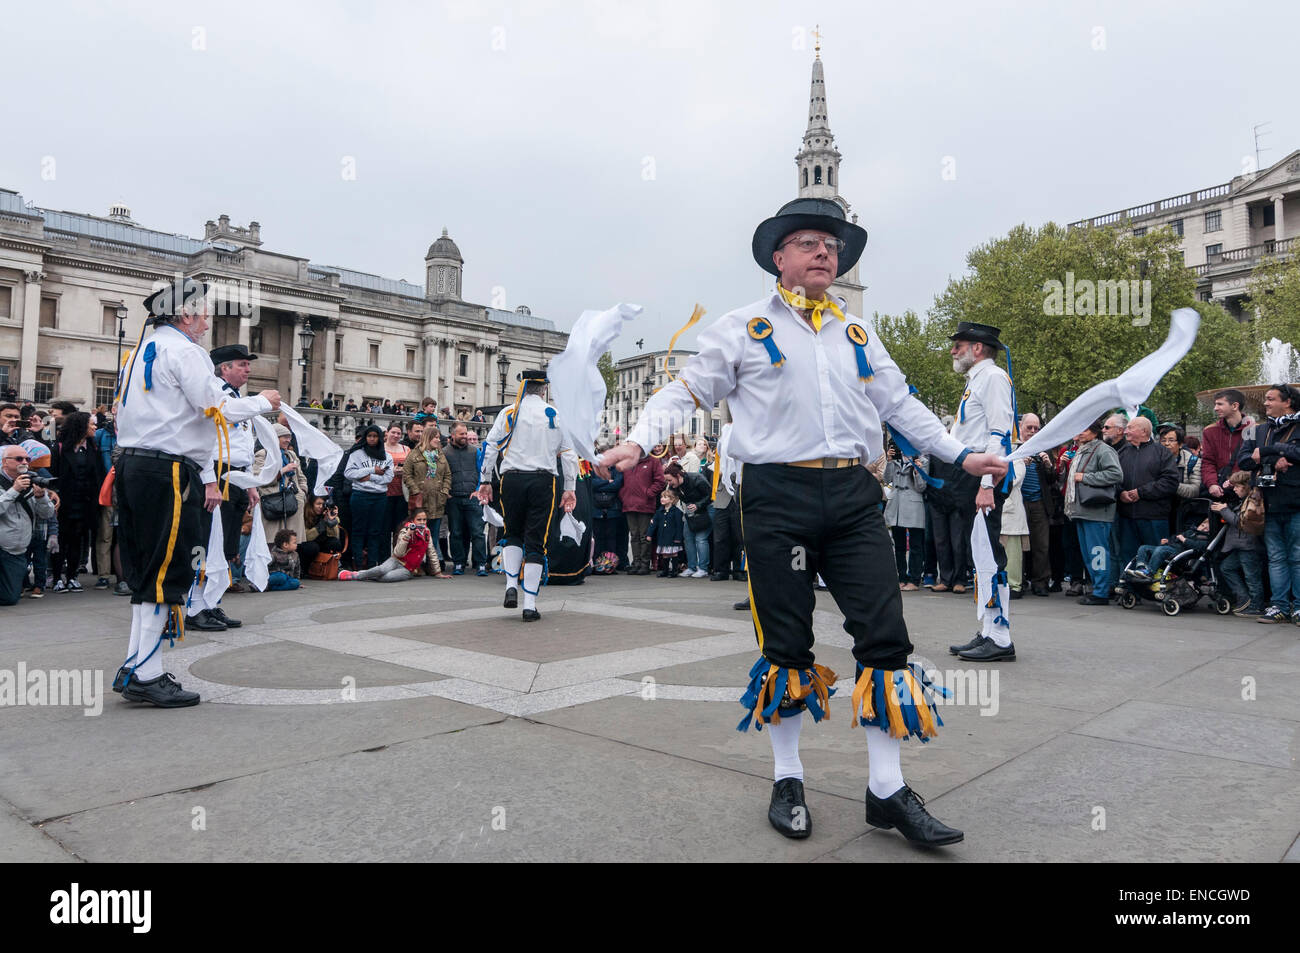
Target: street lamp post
121 315
503 367
307 335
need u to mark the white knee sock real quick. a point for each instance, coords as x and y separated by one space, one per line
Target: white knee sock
512 557
135 635
532 580
785 747
1000 634
884 760
151 626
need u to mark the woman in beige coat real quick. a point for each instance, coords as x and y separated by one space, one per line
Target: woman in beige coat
290 479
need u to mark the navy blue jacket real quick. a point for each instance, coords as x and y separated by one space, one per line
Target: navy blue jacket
605 503
667 527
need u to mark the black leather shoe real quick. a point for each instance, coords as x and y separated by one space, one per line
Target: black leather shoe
512 599
788 811
989 651
741 606
205 621
905 809
740 576
1091 600
1017 593
720 576
161 692
531 615
1041 592
972 644
220 615
119 680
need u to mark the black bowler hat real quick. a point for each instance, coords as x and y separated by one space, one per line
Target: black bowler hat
230 352
981 333
534 376
167 301
823 215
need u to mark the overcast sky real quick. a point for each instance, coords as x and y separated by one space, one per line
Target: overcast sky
586 153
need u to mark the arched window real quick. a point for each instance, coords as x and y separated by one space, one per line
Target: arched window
830 175
817 175
805 177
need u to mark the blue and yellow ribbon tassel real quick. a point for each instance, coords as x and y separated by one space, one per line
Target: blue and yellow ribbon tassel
769 686
899 702
760 329
857 335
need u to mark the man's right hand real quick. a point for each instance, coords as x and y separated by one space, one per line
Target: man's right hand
1216 491
483 494
273 396
625 456
23 482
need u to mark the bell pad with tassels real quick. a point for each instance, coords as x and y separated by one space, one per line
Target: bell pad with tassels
774 691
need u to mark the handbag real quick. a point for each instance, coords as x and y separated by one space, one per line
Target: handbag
326 565
279 505
699 521
1093 496
1250 517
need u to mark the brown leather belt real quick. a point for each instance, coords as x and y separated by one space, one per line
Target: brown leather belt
826 463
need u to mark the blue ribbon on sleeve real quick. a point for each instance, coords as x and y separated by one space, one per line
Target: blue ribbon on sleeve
909 453
550 413
150 354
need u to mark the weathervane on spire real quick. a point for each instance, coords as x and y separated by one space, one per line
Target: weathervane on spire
817 41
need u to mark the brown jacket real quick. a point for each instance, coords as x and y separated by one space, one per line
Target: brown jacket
434 492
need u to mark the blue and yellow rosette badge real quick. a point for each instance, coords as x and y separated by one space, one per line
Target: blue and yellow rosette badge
760 329
857 335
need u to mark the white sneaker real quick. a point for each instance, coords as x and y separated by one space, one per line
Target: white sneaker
701 574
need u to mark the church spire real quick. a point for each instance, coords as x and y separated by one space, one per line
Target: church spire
818 162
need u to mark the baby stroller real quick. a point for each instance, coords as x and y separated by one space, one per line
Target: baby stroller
1181 583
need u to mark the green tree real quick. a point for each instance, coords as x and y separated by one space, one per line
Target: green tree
1275 293
606 367
1054 293
920 349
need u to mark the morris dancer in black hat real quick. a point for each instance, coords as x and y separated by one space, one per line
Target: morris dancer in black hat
809 386
170 402
233 364
527 440
985 418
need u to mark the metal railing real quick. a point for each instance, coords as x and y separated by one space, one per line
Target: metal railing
342 425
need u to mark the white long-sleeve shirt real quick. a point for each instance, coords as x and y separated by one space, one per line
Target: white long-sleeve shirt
812 405
984 415
362 464
164 401
536 440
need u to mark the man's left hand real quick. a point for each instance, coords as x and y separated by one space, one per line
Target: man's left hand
569 501
211 497
979 464
253 497
984 498
1282 465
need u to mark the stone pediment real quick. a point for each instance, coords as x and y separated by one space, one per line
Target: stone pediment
1284 174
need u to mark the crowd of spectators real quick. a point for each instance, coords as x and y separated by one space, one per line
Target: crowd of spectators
1121 495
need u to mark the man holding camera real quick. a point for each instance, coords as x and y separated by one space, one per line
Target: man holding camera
21 505
1274 453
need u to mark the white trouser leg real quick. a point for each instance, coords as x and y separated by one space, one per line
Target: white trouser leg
532 581
785 747
884 759
152 624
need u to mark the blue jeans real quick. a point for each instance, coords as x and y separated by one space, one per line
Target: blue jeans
1094 542
279 581
1133 533
697 547
1244 563
369 527
1153 558
1282 536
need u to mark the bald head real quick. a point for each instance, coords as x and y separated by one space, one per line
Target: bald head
1138 431
1030 425
9 459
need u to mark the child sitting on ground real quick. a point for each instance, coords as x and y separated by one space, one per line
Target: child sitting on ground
1152 559
667 533
285 567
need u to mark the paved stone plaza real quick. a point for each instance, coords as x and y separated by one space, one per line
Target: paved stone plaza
420 721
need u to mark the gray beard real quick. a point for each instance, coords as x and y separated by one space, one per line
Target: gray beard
962 364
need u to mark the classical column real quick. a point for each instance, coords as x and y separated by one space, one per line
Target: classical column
1279 226
31 333
295 353
331 331
449 377
245 327
480 372
430 366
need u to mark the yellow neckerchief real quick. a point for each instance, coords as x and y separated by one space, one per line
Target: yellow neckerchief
223 443
800 303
